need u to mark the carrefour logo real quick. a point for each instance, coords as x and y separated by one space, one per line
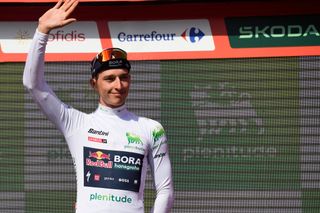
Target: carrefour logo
152 36
193 34
162 36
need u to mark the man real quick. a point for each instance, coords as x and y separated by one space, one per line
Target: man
111 147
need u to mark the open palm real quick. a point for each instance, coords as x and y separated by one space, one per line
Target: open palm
58 16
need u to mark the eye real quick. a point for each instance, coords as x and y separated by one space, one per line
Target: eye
124 77
110 78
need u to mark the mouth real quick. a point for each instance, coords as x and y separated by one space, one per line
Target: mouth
117 95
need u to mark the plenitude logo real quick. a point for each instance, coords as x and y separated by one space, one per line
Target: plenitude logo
162 36
273 31
110 198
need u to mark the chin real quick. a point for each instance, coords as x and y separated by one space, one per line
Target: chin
115 105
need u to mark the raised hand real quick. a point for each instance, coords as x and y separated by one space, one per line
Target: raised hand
58 16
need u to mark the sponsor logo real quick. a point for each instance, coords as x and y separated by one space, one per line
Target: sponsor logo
112 169
99 159
96 177
124 180
133 139
152 36
134 148
273 31
160 155
127 160
99 155
115 63
98 132
175 35
83 34
157 134
134 142
88 175
108 178
127 163
277 31
110 198
98 140
22 36
61 35
193 34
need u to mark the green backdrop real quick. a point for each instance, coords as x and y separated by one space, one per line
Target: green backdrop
243 134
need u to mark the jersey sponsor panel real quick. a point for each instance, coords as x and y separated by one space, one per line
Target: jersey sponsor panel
112 169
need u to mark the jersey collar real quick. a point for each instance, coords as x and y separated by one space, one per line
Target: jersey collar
112 111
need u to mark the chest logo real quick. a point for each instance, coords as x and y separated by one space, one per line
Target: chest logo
97 136
133 139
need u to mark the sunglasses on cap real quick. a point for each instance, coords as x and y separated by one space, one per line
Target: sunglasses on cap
110 58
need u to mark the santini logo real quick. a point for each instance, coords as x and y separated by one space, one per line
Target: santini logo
98 132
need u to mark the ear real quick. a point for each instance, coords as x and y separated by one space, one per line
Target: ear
93 83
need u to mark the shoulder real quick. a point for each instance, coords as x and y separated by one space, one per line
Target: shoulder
150 123
78 117
154 128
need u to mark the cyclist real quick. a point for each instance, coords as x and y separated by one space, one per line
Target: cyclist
111 147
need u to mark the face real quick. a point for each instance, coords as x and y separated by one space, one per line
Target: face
112 86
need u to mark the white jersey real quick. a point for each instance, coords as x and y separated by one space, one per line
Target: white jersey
111 148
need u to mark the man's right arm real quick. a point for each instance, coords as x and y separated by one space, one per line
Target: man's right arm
33 76
34 82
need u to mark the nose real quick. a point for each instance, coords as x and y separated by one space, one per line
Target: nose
117 83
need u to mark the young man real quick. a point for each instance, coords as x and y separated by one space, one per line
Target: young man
111 147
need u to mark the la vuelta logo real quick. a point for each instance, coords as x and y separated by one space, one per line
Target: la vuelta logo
192 34
61 35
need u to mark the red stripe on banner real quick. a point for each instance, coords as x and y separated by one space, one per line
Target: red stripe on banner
215 13
43 1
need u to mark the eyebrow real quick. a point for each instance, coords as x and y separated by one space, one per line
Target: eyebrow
114 76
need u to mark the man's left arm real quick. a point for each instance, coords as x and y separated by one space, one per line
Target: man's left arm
161 170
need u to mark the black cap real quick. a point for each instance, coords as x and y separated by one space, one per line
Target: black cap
110 58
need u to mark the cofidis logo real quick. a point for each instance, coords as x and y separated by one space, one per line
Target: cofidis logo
162 36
